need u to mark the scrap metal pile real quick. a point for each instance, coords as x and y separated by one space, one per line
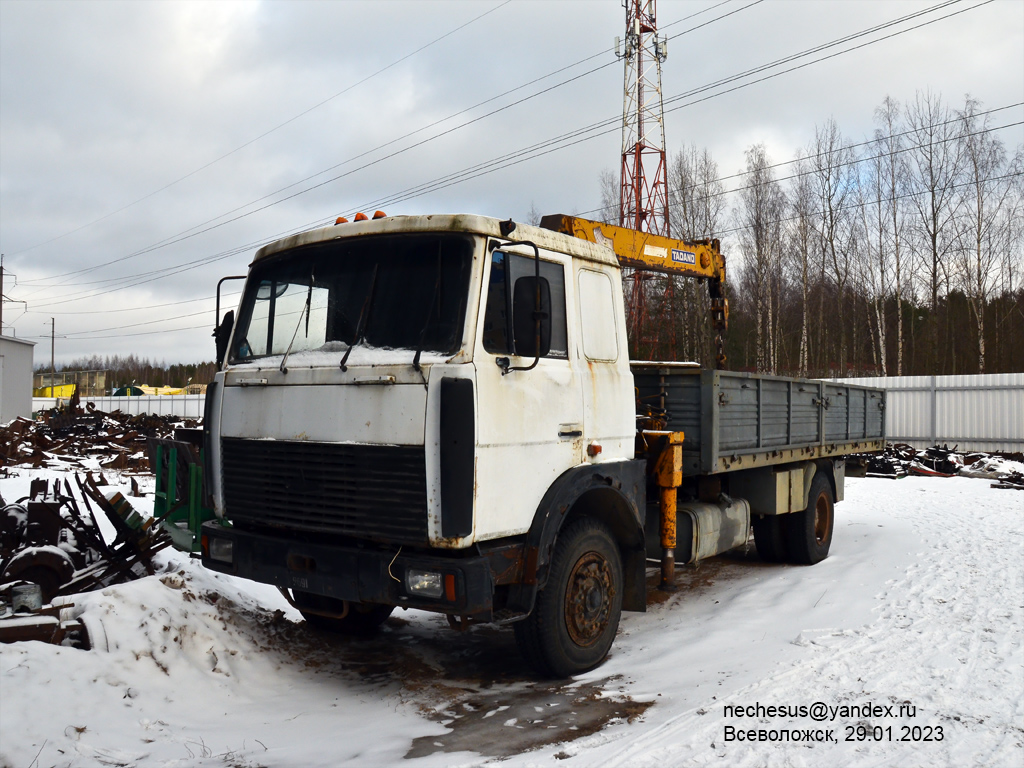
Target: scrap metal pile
84 438
899 460
51 546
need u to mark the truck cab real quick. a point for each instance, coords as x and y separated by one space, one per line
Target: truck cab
410 412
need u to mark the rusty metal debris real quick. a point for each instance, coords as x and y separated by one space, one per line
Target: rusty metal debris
80 437
48 540
48 623
899 460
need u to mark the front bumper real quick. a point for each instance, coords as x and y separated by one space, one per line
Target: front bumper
350 572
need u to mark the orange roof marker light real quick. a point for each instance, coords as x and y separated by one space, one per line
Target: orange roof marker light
341 220
379 215
361 217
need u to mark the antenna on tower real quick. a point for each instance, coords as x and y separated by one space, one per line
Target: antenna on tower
643 182
643 194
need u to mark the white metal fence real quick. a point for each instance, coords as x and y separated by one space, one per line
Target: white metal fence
183 406
976 413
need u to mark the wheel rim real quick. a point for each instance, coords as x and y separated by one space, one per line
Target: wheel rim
588 599
822 519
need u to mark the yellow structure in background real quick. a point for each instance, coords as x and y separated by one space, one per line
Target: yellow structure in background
67 390
90 383
61 390
161 390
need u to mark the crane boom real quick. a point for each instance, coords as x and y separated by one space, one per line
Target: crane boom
701 259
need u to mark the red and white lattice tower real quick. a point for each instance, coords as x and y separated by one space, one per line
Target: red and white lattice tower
643 192
643 198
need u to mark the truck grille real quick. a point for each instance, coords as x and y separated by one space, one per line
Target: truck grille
366 491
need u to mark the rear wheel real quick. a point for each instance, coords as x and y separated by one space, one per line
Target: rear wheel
361 619
769 538
809 533
576 615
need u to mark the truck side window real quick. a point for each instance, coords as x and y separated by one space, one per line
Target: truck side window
597 310
506 270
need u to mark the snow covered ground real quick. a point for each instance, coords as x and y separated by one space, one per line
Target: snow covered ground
920 605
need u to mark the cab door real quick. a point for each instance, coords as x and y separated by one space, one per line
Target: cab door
530 422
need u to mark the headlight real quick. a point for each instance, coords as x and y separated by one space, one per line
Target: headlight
222 549
425 583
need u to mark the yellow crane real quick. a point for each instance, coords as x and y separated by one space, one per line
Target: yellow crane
700 259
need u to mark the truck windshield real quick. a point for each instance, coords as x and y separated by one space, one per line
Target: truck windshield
401 292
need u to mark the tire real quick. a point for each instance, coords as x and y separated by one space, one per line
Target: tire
576 614
809 533
362 618
770 538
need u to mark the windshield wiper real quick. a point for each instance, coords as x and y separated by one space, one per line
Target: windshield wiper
305 311
426 322
363 313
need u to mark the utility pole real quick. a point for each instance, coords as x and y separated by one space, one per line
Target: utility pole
53 368
643 181
1 294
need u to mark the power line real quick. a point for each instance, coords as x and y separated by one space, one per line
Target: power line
560 142
729 231
138 309
578 136
917 193
199 229
869 158
867 142
724 192
857 160
268 132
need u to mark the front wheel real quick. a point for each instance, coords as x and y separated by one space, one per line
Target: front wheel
809 533
576 615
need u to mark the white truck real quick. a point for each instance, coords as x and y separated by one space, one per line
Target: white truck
439 412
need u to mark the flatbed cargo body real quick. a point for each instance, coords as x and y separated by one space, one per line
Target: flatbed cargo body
733 420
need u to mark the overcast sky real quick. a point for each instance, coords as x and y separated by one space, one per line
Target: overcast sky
128 130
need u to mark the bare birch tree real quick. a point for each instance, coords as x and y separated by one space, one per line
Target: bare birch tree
804 222
696 212
831 159
760 212
874 247
985 196
934 164
608 183
891 169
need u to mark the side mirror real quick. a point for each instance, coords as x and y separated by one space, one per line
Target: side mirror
222 334
530 316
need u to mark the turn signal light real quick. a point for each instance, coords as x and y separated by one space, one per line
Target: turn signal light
379 215
341 220
449 587
361 217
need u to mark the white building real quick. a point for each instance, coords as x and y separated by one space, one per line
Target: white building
15 378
